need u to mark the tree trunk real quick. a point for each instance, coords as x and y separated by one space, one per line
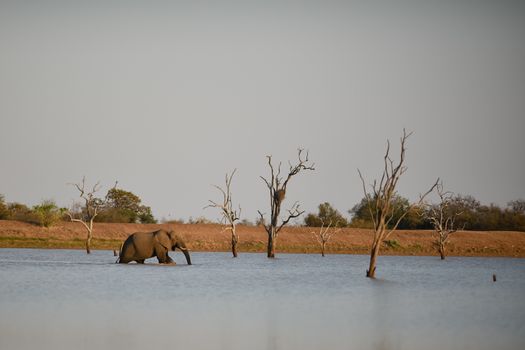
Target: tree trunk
271 246
322 249
234 245
88 243
89 236
442 251
371 272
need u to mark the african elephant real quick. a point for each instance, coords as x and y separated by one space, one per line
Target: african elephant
140 246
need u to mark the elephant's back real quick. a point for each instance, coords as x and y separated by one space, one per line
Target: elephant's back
141 237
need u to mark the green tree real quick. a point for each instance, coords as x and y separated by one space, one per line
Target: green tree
21 212
512 220
468 208
517 206
125 206
325 215
146 216
47 213
411 219
4 213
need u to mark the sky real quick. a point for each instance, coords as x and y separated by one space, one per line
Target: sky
166 97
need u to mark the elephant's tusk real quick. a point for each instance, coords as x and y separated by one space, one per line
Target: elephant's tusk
185 249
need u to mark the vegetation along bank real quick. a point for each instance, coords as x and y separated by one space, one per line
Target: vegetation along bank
212 237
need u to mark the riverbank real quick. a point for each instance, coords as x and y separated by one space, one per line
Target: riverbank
211 237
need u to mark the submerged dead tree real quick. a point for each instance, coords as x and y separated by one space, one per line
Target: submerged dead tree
89 210
380 201
277 186
442 216
325 233
229 216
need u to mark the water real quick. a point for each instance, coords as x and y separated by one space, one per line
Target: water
59 299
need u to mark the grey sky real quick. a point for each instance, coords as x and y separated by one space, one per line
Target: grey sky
167 96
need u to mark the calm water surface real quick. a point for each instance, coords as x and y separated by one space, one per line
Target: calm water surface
60 299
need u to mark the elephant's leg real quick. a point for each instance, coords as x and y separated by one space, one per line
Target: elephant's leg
163 257
169 260
140 261
127 251
123 260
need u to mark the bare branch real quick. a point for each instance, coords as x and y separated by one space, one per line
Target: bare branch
229 215
381 206
411 207
325 233
293 213
369 200
91 207
442 218
277 191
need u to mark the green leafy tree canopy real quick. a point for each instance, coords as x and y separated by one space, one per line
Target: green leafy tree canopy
325 215
4 213
125 206
361 214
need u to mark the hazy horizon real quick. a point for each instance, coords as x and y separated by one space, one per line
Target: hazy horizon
166 97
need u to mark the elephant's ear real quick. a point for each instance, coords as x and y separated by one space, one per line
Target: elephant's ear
164 239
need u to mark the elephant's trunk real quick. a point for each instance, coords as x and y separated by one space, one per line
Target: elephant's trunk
186 254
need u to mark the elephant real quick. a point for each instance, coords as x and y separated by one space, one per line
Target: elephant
140 246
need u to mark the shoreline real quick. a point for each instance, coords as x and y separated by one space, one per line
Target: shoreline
327 253
294 240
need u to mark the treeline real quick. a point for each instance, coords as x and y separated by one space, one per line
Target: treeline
120 206
471 215
126 207
46 214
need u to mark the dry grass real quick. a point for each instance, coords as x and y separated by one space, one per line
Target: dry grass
210 237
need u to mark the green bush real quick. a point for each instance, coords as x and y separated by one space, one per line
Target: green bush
246 222
199 220
21 212
392 243
326 214
47 213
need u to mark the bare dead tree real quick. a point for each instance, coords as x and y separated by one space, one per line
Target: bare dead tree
87 213
229 215
380 201
277 189
442 217
325 233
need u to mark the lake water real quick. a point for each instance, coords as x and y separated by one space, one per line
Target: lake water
65 299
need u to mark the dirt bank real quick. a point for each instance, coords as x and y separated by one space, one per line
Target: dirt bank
14 234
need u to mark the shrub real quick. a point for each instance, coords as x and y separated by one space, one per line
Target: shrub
392 243
326 214
199 220
173 221
21 212
47 213
246 222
